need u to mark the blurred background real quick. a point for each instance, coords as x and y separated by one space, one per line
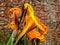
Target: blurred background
48 11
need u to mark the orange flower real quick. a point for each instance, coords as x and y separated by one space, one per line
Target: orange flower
30 22
36 22
14 13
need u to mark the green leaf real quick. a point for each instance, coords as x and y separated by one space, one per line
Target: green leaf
10 41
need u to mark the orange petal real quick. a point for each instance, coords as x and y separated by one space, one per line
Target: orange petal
28 19
41 32
33 34
40 23
14 26
11 25
32 26
42 38
17 10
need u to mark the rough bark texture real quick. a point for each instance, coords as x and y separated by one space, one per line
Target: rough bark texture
47 10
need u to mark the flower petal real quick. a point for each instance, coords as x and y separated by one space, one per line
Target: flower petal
42 25
33 34
17 10
42 38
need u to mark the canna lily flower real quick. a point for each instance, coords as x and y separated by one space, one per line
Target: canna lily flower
31 21
14 13
30 12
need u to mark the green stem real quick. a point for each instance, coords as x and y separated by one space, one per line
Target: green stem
34 41
11 40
